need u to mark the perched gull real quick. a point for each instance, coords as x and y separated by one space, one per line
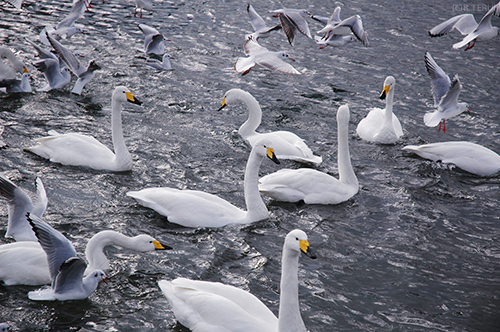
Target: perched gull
262 56
19 203
291 21
382 125
213 306
65 28
445 95
258 24
66 269
8 73
470 157
154 42
84 74
351 25
142 4
287 144
160 65
15 85
467 26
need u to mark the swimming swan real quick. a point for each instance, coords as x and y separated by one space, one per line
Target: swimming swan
193 208
25 262
213 306
381 125
313 186
82 150
473 158
287 144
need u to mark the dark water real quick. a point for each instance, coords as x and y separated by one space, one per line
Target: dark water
416 250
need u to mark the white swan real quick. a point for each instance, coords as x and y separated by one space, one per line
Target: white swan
19 203
8 72
381 125
473 158
81 150
312 186
193 208
287 144
212 306
25 263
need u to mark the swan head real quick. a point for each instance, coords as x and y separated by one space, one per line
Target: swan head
263 147
388 85
343 114
297 241
232 96
123 94
145 242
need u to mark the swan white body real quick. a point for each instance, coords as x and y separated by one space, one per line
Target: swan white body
258 24
445 93
382 125
470 157
81 150
263 57
313 186
25 263
19 203
287 144
212 306
467 26
193 208
292 20
336 27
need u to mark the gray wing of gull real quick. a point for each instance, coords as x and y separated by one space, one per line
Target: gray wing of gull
450 99
251 47
355 24
76 12
299 22
40 205
50 68
56 246
70 275
156 45
256 20
464 23
440 82
67 56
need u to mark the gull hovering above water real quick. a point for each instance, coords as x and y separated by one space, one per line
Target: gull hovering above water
337 27
154 42
258 24
291 21
65 28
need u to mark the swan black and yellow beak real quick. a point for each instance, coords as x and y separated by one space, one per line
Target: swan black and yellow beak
385 92
160 246
304 247
271 155
223 104
132 99
25 70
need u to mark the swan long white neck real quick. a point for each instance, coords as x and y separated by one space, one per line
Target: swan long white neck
122 159
346 173
95 248
249 127
256 209
388 107
289 318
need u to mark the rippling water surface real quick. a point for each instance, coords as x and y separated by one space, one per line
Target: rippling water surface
417 249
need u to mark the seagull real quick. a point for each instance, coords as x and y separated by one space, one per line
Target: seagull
66 269
65 28
467 26
15 85
262 56
53 68
154 42
334 40
445 93
258 24
19 203
335 26
160 65
142 4
291 21
84 74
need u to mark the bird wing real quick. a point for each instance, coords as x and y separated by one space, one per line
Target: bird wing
50 68
255 19
251 47
355 24
40 205
56 246
450 99
298 21
70 275
464 23
243 65
42 53
440 82
156 45
486 20
76 12
67 56
270 61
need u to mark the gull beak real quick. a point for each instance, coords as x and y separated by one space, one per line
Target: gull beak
105 279
223 104
291 59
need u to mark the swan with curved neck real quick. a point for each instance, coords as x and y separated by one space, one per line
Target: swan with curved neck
382 125
212 306
287 144
81 150
313 186
193 208
25 262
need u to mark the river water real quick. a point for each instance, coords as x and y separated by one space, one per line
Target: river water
417 249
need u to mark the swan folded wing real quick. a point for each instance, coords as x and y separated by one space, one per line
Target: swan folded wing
190 208
464 23
202 304
72 149
23 263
